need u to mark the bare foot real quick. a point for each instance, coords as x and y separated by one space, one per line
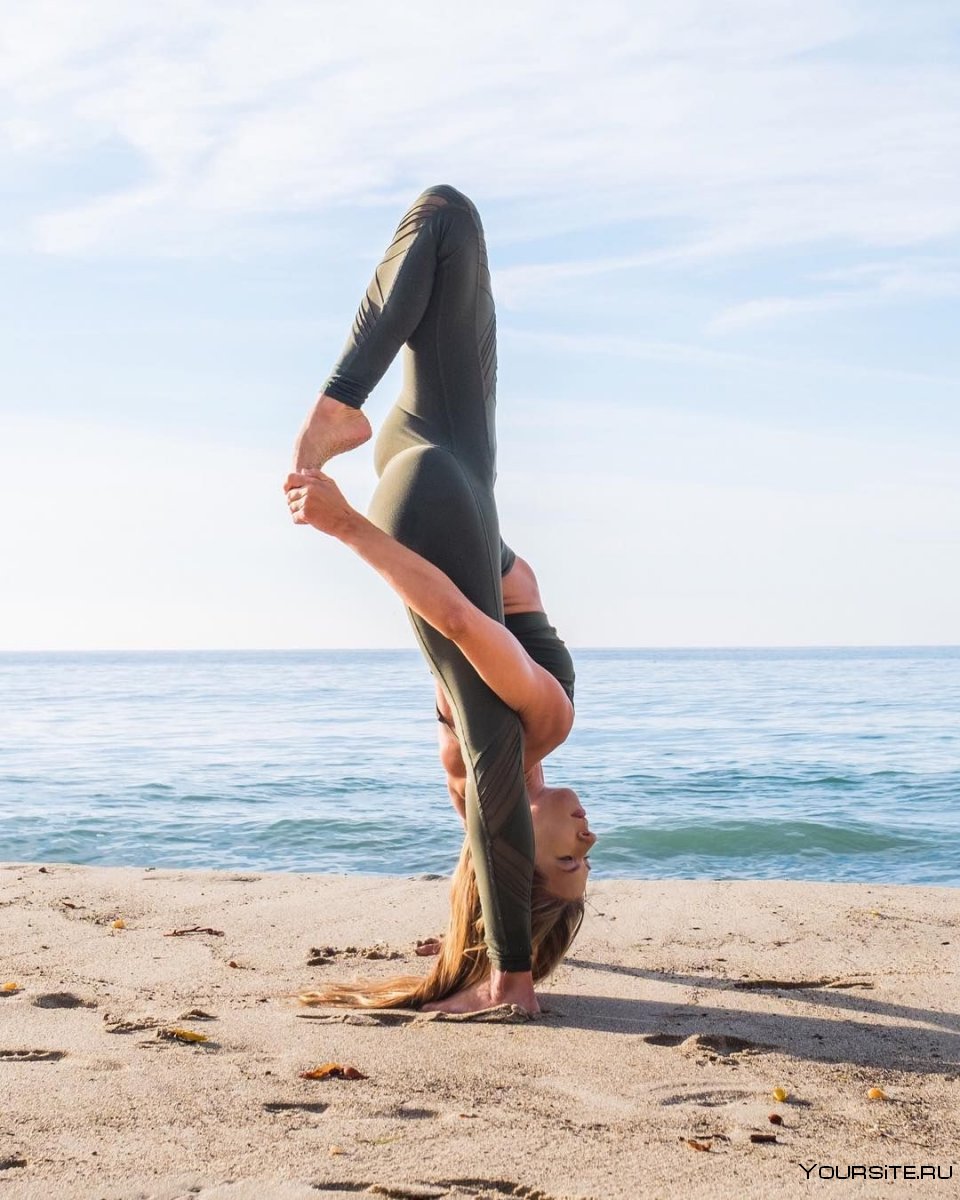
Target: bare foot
497 989
332 428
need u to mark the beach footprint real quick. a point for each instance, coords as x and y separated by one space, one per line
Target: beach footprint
384 1016
499 1187
321 956
396 1191
310 1106
118 1024
32 1055
430 1190
709 1044
707 1097
62 1000
505 1014
836 982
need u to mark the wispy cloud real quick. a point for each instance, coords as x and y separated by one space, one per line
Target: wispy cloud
518 283
677 169
872 284
692 354
753 124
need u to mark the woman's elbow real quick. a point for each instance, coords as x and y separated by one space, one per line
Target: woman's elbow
566 723
562 723
455 621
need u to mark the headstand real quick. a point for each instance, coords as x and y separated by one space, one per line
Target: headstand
433 534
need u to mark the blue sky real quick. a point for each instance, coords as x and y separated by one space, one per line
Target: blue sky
724 243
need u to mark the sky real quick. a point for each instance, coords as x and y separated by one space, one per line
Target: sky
725 249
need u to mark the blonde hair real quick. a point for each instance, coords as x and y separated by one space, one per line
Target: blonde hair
463 960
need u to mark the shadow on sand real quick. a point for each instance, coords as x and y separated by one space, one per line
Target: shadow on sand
925 1041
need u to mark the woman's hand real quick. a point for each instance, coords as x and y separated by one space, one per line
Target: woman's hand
314 499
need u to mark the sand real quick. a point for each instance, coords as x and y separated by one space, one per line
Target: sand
682 1006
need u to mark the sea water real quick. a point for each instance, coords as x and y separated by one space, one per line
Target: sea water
833 764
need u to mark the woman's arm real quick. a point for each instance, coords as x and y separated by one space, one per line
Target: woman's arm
493 652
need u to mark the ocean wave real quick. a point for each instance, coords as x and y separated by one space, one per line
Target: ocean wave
746 839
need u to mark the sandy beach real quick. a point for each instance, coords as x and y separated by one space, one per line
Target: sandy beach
680 1010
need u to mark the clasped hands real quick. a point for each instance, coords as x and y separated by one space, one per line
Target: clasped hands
314 499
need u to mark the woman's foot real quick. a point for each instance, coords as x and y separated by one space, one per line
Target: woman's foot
332 428
496 990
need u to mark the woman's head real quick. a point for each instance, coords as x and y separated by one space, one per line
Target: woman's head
463 960
563 841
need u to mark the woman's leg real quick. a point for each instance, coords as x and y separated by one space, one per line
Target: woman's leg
436 455
425 501
430 296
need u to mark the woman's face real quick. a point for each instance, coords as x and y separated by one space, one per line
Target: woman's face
563 840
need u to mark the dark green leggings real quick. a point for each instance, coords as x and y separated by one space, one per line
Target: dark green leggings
436 458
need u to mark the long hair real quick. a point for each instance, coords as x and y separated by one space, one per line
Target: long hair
463 960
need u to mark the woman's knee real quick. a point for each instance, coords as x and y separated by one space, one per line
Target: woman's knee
459 220
443 194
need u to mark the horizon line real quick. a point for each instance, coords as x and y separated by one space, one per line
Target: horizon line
414 650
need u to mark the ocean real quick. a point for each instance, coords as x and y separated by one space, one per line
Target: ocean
818 764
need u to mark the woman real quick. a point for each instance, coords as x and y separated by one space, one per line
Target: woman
434 536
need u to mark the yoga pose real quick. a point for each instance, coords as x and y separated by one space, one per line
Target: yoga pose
504 678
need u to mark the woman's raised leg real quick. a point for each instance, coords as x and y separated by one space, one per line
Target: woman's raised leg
436 455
